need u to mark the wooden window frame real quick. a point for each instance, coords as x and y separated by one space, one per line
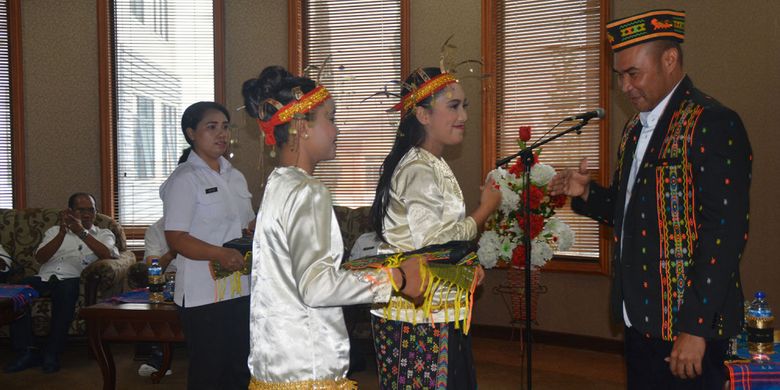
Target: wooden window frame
489 101
106 76
18 157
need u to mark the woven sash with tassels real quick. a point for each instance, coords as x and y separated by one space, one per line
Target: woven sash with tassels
221 275
450 266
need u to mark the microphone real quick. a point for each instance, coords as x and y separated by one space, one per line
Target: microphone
586 116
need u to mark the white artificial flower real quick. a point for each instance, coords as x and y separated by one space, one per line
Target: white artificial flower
514 227
560 230
565 237
541 174
552 225
489 249
541 253
509 199
514 181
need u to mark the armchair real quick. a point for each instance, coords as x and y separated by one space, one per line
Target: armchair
22 230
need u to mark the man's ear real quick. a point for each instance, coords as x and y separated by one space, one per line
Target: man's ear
423 115
669 59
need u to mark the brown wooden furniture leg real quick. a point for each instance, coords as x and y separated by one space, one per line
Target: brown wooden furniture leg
103 355
166 363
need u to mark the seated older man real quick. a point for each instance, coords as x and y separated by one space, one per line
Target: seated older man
65 251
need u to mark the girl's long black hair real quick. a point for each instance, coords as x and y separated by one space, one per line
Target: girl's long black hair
410 133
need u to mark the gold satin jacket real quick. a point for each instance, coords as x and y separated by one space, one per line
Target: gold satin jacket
426 207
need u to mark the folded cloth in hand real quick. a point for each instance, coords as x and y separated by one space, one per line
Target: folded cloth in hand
451 265
243 245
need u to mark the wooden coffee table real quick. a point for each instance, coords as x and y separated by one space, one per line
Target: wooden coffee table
130 322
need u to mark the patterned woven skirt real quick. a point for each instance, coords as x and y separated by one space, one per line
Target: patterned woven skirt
422 356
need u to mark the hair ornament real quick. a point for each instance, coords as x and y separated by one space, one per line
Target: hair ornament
430 85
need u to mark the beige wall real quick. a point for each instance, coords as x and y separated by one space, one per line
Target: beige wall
62 133
731 52
255 37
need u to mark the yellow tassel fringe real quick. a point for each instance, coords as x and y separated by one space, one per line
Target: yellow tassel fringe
220 286
402 309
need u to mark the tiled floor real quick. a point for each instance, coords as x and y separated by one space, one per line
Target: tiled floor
499 366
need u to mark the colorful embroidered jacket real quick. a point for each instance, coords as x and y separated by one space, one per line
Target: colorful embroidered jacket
686 223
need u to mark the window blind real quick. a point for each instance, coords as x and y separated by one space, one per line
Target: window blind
363 40
6 162
164 61
548 68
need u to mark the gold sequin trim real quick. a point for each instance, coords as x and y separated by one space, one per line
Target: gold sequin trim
321 384
306 104
427 89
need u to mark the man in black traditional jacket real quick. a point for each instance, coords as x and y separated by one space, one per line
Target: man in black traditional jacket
678 203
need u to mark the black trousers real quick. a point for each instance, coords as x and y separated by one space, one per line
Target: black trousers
647 369
64 295
461 373
217 338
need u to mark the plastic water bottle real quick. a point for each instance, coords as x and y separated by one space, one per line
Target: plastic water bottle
760 328
156 282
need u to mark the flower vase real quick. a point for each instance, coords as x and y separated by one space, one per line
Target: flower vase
516 281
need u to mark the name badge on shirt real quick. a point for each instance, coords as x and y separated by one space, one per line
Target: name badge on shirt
211 190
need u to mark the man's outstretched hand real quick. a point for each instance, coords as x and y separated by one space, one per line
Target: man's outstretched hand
571 182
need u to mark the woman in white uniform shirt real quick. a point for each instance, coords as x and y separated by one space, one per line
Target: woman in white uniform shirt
206 203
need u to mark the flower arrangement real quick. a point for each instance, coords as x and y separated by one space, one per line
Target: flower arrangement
501 244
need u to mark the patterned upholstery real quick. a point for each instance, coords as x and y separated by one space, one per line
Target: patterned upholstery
353 223
21 231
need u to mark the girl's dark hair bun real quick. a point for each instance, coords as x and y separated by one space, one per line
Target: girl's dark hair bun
266 85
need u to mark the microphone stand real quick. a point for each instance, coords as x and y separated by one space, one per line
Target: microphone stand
527 157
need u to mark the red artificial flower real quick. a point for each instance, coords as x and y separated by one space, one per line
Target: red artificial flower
558 200
536 197
525 133
537 224
518 256
517 168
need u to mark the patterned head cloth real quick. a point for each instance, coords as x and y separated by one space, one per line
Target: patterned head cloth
645 27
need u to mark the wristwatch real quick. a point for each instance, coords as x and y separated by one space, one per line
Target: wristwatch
83 234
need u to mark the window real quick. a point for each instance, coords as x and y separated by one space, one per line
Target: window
161 18
550 64
171 142
143 151
364 41
11 133
137 6
150 74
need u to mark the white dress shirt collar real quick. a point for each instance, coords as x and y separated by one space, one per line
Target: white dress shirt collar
650 118
224 164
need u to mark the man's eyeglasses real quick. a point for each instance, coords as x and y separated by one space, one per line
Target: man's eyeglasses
85 210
